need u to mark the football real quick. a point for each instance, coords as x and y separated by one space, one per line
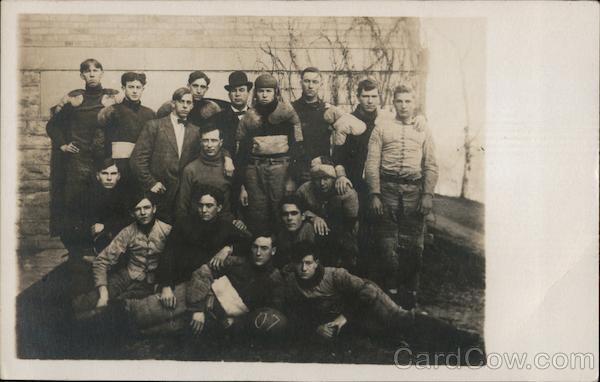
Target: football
267 322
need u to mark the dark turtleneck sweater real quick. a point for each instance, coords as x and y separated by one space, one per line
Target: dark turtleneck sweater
315 130
258 286
78 123
353 153
125 121
204 171
192 243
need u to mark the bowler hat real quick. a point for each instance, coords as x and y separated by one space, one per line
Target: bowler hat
238 78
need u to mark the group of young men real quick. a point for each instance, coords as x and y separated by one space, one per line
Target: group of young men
242 214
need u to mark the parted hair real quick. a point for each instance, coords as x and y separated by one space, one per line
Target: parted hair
206 189
303 249
179 93
403 89
292 199
88 64
366 85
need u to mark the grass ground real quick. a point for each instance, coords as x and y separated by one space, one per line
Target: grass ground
452 289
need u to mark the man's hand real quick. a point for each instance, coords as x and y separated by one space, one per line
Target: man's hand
290 187
158 188
219 259
426 204
331 329
320 226
197 323
342 184
97 228
376 205
228 167
70 148
420 122
103 300
244 196
167 298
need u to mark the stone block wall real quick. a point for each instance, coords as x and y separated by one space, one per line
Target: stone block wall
167 48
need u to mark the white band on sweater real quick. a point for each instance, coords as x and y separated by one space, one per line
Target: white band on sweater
122 150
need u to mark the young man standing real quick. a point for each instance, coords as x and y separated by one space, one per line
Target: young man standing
401 173
318 120
123 122
203 108
163 149
270 140
228 119
144 241
72 129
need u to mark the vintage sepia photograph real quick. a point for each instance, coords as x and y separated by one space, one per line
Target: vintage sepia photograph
285 189
279 188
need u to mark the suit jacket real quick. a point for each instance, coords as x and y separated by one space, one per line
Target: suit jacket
155 159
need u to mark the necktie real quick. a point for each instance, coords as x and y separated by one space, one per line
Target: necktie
181 121
238 113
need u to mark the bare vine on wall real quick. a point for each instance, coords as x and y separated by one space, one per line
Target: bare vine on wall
388 53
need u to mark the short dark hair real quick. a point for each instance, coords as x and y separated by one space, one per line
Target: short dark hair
366 85
133 76
403 89
292 199
310 69
208 127
206 189
179 93
87 65
196 75
303 249
140 195
266 233
104 163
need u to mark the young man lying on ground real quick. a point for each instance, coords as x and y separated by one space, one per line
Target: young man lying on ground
241 296
331 302
144 241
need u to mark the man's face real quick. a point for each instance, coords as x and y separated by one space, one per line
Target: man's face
265 96
183 106
404 104
108 177
144 212
306 268
199 88
292 217
369 100
92 76
324 184
311 83
239 96
262 250
208 208
211 143
133 90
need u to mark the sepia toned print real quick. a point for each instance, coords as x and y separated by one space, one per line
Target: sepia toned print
286 189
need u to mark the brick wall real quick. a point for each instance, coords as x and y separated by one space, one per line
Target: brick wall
167 48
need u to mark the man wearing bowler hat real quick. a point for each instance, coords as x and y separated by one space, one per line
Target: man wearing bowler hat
227 120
